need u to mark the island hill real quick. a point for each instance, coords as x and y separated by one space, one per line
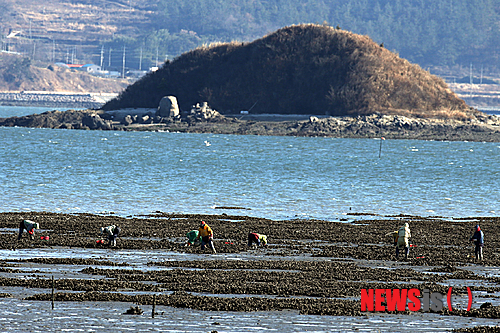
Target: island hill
301 69
346 84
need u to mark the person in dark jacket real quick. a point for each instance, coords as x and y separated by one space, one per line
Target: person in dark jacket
478 239
30 227
111 233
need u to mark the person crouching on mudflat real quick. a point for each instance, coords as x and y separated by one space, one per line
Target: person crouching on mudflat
192 237
257 239
207 236
30 227
112 233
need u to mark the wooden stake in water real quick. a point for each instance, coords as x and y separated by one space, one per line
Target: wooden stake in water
154 305
52 292
380 149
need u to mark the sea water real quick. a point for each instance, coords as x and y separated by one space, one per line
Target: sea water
133 173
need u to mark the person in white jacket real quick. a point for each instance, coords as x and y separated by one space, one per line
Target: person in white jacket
403 240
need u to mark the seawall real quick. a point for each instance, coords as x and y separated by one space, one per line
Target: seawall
55 99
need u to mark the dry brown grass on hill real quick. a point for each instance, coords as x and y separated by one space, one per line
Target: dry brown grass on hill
81 18
17 74
301 69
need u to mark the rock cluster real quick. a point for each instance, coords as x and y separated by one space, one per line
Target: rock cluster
168 112
202 113
147 118
94 121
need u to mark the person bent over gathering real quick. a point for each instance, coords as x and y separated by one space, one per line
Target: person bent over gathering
111 233
30 227
192 237
258 239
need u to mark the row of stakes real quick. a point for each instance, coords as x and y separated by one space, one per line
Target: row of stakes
152 312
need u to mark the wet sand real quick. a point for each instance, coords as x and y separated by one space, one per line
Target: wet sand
310 266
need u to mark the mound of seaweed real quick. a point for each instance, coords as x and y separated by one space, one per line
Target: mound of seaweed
300 69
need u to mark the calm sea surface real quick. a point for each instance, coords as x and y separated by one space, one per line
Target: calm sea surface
132 173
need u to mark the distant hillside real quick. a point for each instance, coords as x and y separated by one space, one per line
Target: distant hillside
301 69
17 74
444 33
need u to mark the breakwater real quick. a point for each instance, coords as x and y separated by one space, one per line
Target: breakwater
55 99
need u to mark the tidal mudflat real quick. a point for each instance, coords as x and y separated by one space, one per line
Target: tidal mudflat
308 278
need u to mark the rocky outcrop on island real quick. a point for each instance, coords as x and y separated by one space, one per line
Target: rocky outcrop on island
134 120
201 118
402 127
71 119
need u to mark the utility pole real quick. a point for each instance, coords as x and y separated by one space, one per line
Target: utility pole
67 56
109 57
123 63
470 80
102 55
140 60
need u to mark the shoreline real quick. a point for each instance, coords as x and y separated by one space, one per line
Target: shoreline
486 128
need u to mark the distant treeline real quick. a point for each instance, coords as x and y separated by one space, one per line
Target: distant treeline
427 32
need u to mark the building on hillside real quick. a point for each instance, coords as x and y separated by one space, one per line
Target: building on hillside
135 74
90 68
70 66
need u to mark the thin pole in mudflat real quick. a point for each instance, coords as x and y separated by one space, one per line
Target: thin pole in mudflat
154 305
52 292
380 149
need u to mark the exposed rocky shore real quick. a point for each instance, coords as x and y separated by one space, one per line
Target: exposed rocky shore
202 119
